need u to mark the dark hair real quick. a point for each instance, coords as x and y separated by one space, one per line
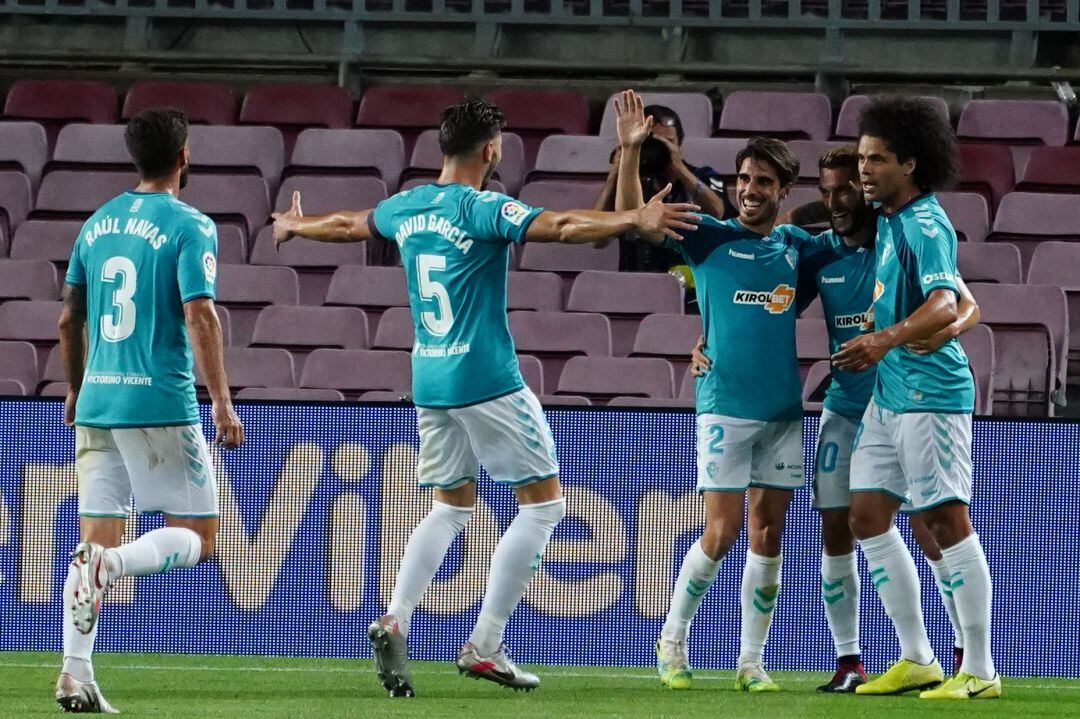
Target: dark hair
845 157
664 115
468 125
155 138
912 129
773 151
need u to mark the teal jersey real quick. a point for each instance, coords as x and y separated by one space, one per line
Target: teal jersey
844 278
455 248
141 256
746 290
916 254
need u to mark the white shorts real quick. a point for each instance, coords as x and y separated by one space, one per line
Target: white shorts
508 435
832 461
167 469
734 454
919 457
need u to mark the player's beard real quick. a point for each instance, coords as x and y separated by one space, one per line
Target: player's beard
488 174
183 176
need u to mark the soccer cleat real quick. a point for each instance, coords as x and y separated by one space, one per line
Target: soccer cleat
904 676
391 653
81 697
498 668
966 686
752 678
847 677
672 664
88 560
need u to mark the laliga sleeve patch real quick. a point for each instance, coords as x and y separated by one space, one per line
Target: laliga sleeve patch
209 263
514 213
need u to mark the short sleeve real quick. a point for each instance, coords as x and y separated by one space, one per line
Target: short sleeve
379 222
498 218
698 244
934 246
76 271
196 266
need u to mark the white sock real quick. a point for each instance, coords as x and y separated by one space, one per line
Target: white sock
760 588
77 646
424 553
972 592
154 552
697 574
515 560
840 595
944 585
892 570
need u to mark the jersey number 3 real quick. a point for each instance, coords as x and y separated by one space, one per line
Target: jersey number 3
435 323
118 326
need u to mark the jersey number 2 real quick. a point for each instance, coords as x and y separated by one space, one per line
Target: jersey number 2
118 326
437 324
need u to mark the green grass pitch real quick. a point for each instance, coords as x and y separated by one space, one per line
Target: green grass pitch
177 686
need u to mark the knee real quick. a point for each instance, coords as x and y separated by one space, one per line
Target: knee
764 538
719 537
837 539
865 524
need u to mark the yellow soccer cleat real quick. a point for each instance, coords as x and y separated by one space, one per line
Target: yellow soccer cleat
752 678
672 664
966 686
904 676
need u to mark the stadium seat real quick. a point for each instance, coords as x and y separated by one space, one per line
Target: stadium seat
24 147
54 373
687 390
989 262
491 186
290 394
16 201
45 240
426 160
564 400
816 381
1051 169
84 146
969 213
534 291
668 336
532 371
349 152
719 153
1031 334
54 389
986 169
379 395
787 115
601 378
354 372
395 331
225 320
28 280
814 310
561 195
238 150
232 245
811 343
847 121
406 108
19 363
534 114
809 153
291 108
573 157
1015 122
241 200
978 344
54 103
31 321
246 289
1028 218
695 111
207 103
315 262
303 329
568 259
257 367
70 195
649 402
375 289
555 336
11 388
625 297
1058 264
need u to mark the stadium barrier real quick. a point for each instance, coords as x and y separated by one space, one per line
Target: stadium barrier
317 506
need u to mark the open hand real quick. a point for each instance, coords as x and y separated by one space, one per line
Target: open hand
699 363
862 353
282 221
658 218
630 121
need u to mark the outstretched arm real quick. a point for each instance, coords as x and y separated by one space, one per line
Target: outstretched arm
341 226
579 227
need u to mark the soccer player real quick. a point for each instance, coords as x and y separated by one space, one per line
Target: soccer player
472 405
138 302
749 421
914 443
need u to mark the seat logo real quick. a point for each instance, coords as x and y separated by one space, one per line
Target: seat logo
775 302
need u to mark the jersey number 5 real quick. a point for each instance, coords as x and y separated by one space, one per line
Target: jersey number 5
437 324
118 326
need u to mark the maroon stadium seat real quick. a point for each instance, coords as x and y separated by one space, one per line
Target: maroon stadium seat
305 328
16 200
19 363
354 372
811 343
787 115
568 259
24 147
207 103
241 200
969 213
978 344
291 108
1028 218
688 387
55 103
989 262
668 336
375 289
986 169
70 195
601 378
395 330
532 371
11 388
555 336
315 262
695 111
809 153
345 152
225 320
33 322
322 195
1058 264
625 297
28 280
534 114
406 108
55 373
491 186
573 157
426 160
45 240
83 146
1016 122
534 291
293 394
232 245
1051 169
247 289
258 367
230 150
561 195
847 122
719 153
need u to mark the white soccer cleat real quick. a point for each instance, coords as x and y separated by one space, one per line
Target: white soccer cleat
391 653
88 559
77 697
498 668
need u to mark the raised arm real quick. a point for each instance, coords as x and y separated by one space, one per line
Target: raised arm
341 226
633 128
72 328
204 330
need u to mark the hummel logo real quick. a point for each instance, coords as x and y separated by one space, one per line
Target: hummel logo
207 230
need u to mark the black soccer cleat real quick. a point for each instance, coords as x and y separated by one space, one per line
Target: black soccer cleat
846 678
